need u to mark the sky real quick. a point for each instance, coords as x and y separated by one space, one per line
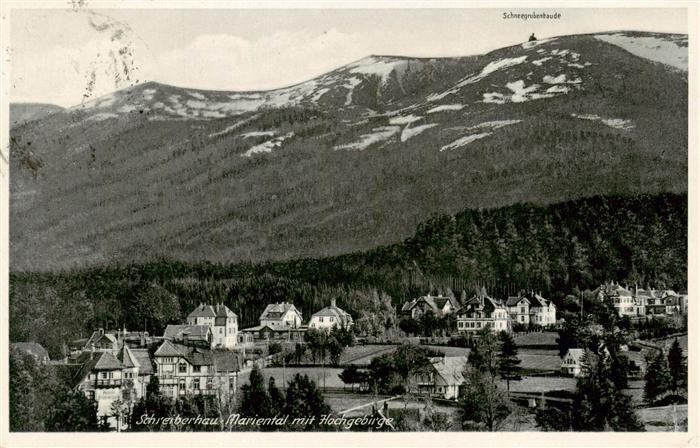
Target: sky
65 56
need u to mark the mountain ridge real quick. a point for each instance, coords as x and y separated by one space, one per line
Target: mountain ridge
353 159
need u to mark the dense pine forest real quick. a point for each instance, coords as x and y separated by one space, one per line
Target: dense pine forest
556 249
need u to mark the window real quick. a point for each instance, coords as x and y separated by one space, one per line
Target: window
522 318
221 331
232 383
195 383
103 375
210 383
320 319
196 369
182 367
332 319
522 309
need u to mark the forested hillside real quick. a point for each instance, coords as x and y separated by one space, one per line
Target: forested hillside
555 249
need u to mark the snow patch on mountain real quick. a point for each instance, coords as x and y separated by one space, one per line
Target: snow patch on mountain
617 123
412 132
465 140
404 120
519 94
445 107
258 134
539 62
561 79
666 51
378 135
491 67
350 85
268 146
373 65
495 124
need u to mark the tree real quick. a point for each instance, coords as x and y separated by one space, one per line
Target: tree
334 350
256 401
350 375
30 384
677 368
409 326
657 378
598 404
484 405
304 400
508 362
72 411
276 397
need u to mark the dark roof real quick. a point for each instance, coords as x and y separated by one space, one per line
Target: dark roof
144 360
203 310
275 311
195 356
89 361
180 331
512 301
226 361
32 348
127 358
223 311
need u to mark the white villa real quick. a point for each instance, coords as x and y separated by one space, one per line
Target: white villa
531 308
221 320
281 315
481 311
329 317
571 363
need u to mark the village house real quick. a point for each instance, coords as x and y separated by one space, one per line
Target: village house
280 315
443 378
196 335
109 380
37 351
280 333
531 308
329 317
221 320
184 370
482 311
438 305
572 362
624 301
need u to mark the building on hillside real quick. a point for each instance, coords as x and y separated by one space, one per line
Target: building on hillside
329 317
438 305
683 302
482 311
187 370
530 308
222 321
245 340
650 301
281 315
195 335
443 378
572 362
277 333
36 350
672 301
103 342
624 301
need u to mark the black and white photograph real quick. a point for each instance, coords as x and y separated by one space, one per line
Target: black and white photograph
329 218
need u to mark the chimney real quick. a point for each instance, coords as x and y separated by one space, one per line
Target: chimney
333 303
101 331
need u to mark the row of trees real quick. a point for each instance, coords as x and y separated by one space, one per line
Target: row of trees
666 373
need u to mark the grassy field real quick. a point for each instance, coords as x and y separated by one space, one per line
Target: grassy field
315 373
545 338
539 359
661 418
362 355
542 384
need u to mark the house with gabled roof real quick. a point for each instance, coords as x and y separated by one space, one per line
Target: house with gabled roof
483 311
183 370
222 321
572 362
443 378
625 302
281 315
530 308
198 335
329 317
99 377
439 305
99 340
